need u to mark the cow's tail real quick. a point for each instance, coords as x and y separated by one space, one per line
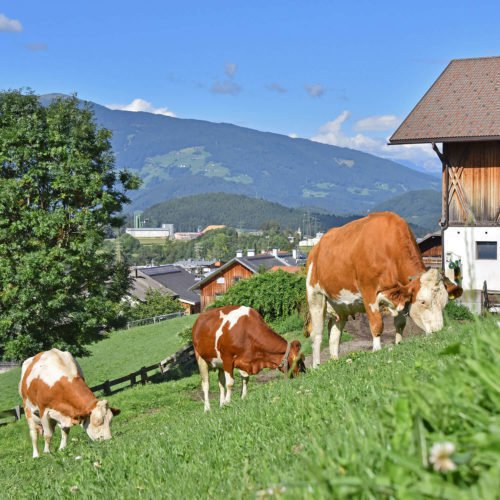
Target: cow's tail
307 319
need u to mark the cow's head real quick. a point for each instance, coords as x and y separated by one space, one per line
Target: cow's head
97 424
296 363
426 295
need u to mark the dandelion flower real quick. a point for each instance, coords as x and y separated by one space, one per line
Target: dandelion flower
440 457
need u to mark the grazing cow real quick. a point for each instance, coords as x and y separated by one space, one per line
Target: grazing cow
54 392
237 337
372 265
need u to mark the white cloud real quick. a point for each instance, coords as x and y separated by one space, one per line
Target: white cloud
11 25
315 90
293 135
377 123
230 69
419 154
276 87
141 105
225 87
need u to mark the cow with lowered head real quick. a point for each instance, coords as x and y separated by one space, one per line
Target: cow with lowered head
232 337
372 265
54 392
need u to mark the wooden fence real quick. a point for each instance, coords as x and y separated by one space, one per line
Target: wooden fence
175 365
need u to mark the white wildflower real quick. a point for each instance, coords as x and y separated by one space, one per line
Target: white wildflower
78 457
440 457
348 361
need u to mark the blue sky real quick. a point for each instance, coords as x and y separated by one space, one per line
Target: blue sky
338 72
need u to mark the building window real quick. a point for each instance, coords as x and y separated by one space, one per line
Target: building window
236 279
220 281
486 250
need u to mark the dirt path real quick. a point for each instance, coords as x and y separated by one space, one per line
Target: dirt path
359 329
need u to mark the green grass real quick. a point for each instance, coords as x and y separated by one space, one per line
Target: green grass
121 353
360 429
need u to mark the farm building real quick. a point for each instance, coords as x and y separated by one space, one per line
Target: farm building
168 279
432 250
241 267
462 111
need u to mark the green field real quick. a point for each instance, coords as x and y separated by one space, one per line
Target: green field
122 352
361 427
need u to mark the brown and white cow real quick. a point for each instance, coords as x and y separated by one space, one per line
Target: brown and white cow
372 265
232 337
54 392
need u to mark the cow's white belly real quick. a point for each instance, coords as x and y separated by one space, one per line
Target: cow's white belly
345 304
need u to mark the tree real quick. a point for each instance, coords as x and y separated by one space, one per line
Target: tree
59 194
155 304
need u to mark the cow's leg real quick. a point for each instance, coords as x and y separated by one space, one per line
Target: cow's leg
399 324
244 387
335 325
229 384
203 367
64 437
48 426
375 320
222 387
317 305
33 427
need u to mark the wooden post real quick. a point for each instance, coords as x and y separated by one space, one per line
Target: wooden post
107 388
144 375
132 379
17 410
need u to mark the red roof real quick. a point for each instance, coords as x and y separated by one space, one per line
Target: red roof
463 104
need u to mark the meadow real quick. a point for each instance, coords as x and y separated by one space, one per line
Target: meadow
361 427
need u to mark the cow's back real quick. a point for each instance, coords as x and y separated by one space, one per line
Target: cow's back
226 329
43 374
370 249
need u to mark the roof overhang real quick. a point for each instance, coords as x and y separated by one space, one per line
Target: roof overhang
430 140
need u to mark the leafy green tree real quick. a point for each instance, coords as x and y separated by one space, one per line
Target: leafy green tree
274 294
155 304
59 194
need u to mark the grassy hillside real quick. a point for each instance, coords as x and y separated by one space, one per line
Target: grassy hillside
122 352
420 208
359 429
190 212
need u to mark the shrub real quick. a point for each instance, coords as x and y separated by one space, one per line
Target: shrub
273 294
457 312
155 304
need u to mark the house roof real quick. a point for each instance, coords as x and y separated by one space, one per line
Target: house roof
254 264
174 279
463 104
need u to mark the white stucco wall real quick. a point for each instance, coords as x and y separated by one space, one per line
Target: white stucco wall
151 232
460 243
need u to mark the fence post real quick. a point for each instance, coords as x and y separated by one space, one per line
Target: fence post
17 409
107 388
144 375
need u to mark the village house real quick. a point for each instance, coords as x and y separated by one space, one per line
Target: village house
461 110
244 266
168 280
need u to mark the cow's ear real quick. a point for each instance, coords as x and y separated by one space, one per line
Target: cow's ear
454 291
115 411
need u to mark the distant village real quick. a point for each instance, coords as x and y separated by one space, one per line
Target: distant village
196 283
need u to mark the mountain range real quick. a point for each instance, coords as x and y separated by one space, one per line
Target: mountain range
178 157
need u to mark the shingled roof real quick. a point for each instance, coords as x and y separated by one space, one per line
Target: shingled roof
463 104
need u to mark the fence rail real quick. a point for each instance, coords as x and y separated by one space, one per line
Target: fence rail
154 319
182 359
